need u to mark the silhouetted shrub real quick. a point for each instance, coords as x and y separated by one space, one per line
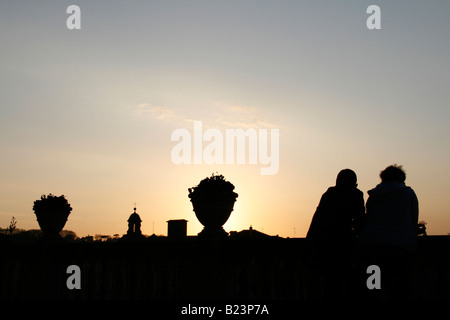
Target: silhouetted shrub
52 204
216 184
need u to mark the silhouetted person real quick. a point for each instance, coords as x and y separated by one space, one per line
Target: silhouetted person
334 226
338 214
388 235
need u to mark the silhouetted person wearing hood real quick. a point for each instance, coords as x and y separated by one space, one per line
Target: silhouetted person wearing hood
388 236
333 228
338 214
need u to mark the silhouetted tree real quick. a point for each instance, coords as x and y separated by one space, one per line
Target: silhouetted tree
68 235
12 225
26 236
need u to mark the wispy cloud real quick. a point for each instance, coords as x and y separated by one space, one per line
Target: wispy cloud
243 117
158 112
217 115
242 109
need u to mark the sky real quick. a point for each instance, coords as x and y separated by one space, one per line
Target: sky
89 113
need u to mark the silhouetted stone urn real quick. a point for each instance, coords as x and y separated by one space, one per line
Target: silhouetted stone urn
213 201
52 213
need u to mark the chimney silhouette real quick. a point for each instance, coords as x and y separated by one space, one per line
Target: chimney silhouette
177 229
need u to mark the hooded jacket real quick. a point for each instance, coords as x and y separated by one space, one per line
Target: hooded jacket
392 216
338 213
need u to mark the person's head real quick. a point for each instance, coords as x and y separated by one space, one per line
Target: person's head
346 178
393 173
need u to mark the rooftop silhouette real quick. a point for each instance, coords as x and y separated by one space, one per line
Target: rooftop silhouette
331 262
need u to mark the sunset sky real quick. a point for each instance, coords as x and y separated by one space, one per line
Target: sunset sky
89 113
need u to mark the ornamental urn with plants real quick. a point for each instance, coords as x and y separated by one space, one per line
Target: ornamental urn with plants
213 201
52 213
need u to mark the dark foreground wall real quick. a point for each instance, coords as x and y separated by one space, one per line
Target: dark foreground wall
230 269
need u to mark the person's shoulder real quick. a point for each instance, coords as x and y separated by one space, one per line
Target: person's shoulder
331 192
357 194
410 191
